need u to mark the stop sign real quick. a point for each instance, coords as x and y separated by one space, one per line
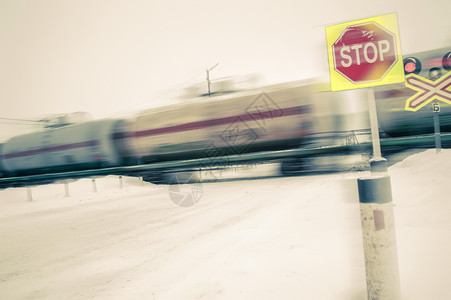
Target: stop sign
364 52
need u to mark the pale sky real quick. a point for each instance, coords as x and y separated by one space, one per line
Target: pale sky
106 56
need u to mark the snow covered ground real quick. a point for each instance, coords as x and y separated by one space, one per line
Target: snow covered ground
273 238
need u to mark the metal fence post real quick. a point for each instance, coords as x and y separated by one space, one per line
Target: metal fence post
66 190
94 186
29 194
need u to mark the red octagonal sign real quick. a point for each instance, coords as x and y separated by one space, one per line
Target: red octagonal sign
364 52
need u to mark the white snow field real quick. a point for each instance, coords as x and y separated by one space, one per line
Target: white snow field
272 238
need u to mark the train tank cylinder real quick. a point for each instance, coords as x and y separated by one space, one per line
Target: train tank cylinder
167 133
81 146
272 118
275 118
124 142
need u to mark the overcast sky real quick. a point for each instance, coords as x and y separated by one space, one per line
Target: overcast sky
106 56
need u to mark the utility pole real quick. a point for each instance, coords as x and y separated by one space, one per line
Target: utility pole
208 77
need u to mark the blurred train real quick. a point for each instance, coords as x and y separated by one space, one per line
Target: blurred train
301 114
226 124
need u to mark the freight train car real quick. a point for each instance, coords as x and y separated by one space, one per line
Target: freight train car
74 147
276 118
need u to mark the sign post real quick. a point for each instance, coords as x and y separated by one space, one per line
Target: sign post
438 142
377 162
363 54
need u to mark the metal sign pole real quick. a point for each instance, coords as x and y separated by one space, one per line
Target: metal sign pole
438 142
377 162
374 124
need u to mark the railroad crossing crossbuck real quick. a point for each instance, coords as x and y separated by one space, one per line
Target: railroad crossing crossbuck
428 90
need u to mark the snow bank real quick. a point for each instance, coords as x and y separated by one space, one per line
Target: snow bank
422 199
273 238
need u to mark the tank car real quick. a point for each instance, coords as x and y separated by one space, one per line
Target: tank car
275 118
80 146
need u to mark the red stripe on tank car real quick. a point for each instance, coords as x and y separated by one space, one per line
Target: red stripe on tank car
51 149
271 114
